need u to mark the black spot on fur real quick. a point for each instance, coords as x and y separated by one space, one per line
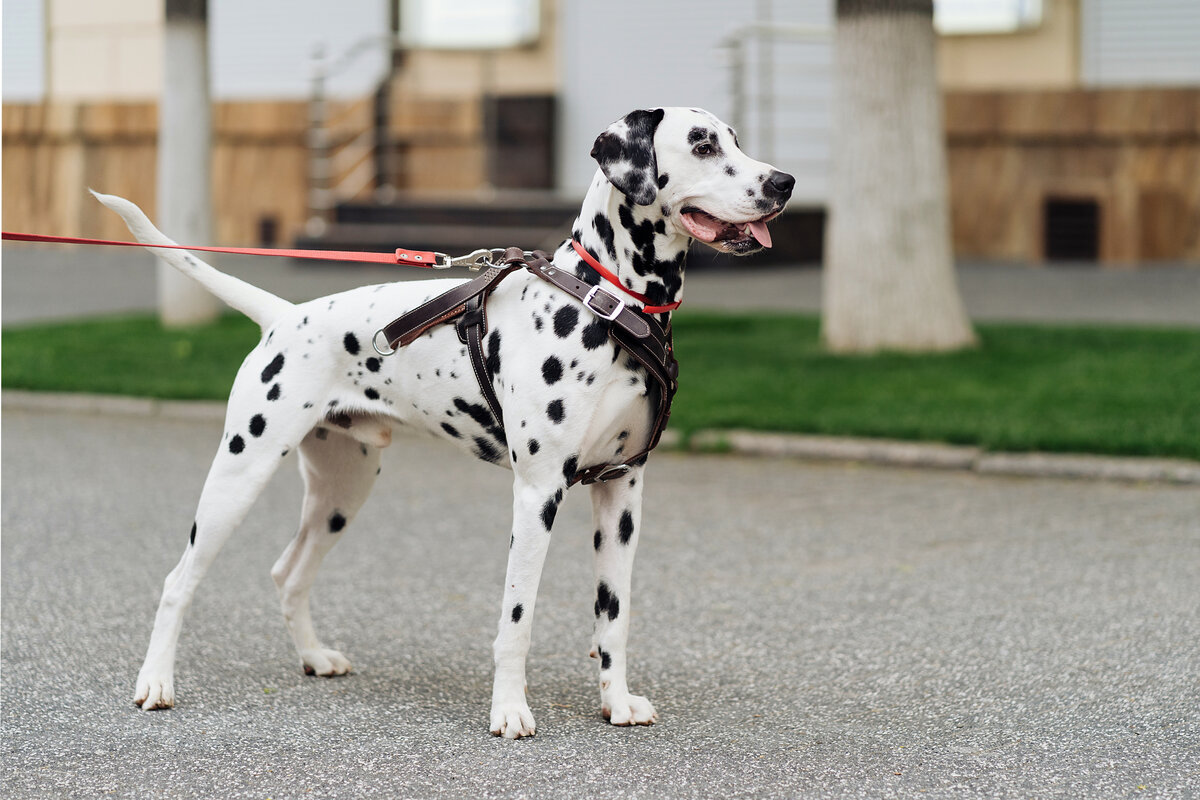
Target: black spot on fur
336 522
274 393
371 394
625 528
237 444
604 227
258 424
570 467
475 411
272 369
606 602
341 419
373 364
595 333
322 434
555 411
730 171
450 429
492 362
662 180
517 611
552 370
565 320
486 450
597 540
605 659
350 341
534 446
549 511
192 537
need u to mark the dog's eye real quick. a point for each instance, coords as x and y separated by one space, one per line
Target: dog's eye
703 149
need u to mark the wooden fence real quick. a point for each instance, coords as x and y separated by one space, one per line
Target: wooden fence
1134 153
54 152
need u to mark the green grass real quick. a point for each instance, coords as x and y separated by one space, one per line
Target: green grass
1077 389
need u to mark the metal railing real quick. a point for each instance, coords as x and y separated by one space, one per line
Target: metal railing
345 169
781 93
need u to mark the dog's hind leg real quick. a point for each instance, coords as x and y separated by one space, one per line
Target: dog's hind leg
616 513
248 455
339 473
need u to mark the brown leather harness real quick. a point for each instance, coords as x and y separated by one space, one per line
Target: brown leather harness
466 306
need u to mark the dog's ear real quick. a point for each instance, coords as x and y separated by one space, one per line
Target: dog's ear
625 153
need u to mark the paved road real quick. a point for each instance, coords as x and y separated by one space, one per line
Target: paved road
47 282
814 631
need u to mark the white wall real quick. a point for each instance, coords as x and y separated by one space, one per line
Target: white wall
88 50
24 48
625 54
1140 42
263 48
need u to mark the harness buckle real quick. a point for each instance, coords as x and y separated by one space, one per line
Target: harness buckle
612 473
591 296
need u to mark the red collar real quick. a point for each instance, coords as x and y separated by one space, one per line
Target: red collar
612 278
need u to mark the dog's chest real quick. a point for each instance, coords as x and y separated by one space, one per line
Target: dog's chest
566 390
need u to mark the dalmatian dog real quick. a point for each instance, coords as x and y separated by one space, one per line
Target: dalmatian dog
569 398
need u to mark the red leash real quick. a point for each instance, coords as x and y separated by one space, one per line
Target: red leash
409 258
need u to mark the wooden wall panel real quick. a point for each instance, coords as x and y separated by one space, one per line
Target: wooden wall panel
1134 152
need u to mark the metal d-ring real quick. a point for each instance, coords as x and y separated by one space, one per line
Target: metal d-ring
375 344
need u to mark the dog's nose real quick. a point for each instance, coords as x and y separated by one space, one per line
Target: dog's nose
779 184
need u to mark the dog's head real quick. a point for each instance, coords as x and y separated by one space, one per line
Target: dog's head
689 164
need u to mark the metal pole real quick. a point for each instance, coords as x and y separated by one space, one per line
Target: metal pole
185 157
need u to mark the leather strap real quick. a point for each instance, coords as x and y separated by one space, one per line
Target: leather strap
409 326
466 305
641 336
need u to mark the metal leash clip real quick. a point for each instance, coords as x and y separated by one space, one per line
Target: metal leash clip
474 261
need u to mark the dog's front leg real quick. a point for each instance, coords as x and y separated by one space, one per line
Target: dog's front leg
535 504
617 513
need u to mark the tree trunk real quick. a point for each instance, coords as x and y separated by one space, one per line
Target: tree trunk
185 158
889 280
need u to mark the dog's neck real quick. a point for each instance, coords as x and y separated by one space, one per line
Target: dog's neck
629 240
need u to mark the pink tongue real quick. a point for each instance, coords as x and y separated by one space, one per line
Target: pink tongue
760 232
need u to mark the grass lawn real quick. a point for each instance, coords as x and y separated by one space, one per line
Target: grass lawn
1077 389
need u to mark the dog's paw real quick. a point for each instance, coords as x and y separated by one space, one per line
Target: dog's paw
154 693
326 663
512 720
630 709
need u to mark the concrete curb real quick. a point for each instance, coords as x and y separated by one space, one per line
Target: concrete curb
115 405
884 452
944 456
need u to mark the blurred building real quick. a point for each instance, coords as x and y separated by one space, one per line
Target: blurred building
1073 126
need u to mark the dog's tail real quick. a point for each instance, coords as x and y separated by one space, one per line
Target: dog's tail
257 304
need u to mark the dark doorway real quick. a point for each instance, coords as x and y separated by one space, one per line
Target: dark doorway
1071 230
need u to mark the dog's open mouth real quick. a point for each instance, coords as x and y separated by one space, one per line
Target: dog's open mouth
733 237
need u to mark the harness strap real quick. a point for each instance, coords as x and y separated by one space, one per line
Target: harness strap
641 336
465 305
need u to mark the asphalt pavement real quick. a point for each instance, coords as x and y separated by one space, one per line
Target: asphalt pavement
805 630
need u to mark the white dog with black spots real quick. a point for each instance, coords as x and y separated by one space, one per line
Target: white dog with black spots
569 398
